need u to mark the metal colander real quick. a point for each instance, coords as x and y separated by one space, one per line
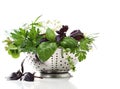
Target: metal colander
57 63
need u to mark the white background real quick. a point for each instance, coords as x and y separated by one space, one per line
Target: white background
101 69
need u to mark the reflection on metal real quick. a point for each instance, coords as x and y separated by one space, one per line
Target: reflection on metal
55 75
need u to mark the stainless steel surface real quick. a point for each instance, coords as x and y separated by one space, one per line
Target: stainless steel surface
55 75
57 63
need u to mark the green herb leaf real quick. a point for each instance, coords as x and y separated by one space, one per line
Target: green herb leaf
71 63
82 56
46 50
83 47
85 43
68 42
50 35
19 36
13 51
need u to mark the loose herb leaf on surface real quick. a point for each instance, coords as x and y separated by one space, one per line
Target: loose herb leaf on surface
23 76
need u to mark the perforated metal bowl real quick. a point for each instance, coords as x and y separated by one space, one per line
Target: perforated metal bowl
57 63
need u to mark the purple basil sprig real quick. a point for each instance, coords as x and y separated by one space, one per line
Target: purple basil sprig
61 33
27 76
77 34
63 30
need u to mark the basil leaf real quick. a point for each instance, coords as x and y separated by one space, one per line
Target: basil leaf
50 35
45 50
68 42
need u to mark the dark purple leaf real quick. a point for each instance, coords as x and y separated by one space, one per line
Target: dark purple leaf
77 34
60 37
61 33
63 29
28 76
15 75
19 74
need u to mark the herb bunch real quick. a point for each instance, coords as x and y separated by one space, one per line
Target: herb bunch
30 38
